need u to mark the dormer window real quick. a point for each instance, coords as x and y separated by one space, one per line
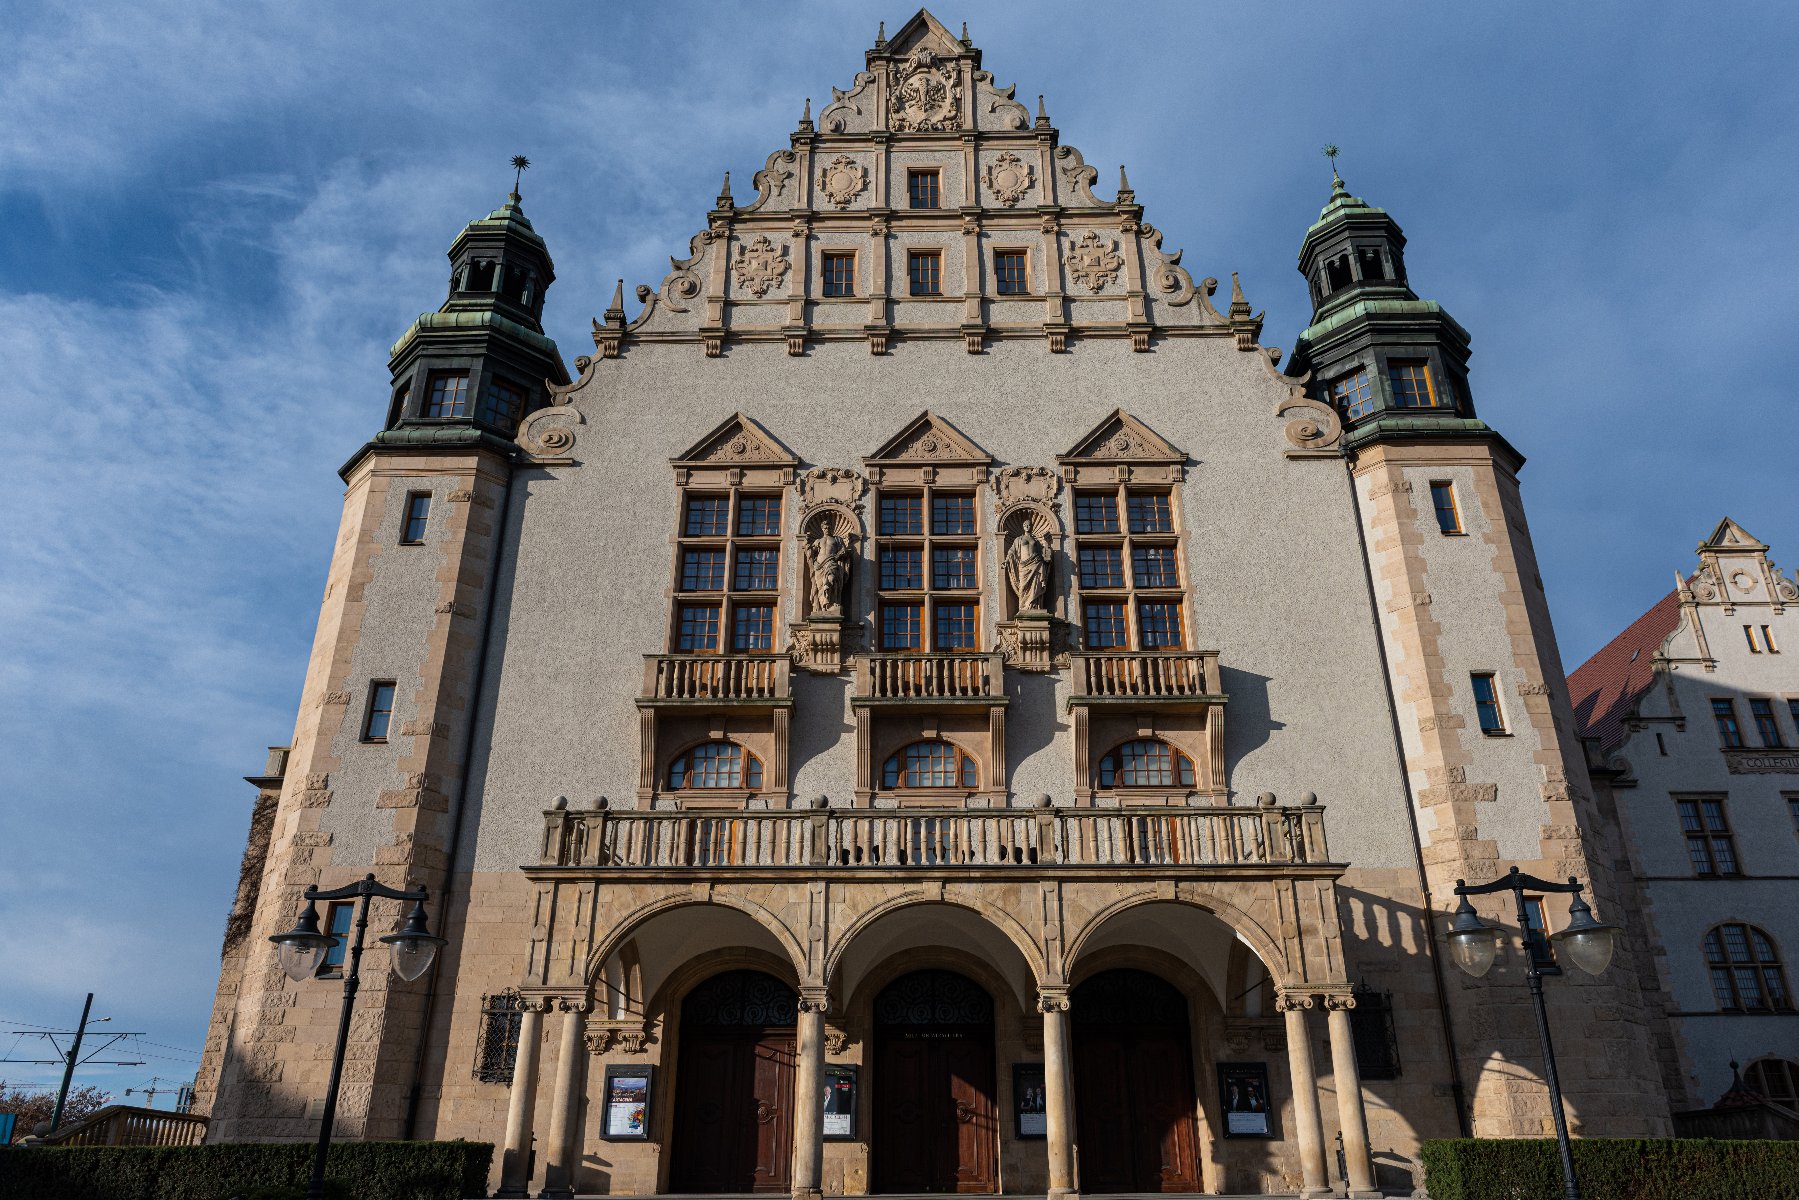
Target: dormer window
1413 386
922 189
446 395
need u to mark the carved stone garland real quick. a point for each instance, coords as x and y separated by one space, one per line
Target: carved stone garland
842 180
1008 177
1094 261
761 266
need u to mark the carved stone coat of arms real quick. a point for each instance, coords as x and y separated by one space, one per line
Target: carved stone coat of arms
1008 177
925 93
761 265
1094 261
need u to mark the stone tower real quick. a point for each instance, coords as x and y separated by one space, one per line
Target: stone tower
1488 745
393 673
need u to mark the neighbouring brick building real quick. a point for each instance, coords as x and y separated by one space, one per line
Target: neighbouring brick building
932 705
1694 709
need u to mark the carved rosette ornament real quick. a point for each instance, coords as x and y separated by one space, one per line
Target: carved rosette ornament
924 94
1094 261
1008 177
842 180
761 265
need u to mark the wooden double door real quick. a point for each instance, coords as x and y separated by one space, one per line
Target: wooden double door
1135 1107
734 1087
936 1124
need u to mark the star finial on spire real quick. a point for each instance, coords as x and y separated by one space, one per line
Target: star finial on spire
1330 151
520 164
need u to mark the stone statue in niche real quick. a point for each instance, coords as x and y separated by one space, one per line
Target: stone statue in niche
829 558
1027 566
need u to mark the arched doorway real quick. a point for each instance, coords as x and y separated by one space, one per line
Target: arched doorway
734 1088
1133 1085
936 1126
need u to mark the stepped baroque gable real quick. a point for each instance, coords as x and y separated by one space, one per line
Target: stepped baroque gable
880 220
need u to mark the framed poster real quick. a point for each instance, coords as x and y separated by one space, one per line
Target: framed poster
840 1103
627 1104
1030 1117
1244 1099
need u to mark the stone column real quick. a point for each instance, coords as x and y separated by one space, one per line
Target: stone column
1314 1181
1350 1113
1058 1106
564 1147
515 1156
809 1097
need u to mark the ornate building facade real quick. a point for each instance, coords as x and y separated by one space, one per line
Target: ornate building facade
931 705
1694 712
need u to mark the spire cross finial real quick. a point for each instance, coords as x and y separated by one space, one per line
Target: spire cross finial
1330 151
520 164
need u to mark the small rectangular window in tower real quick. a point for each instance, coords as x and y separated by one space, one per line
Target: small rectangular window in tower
1442 497
418 511
1353 395
925 269
1536 935
922 187
1749 636
1765 725
446 395
1413 386
1724 712
502 404
1486 703
1368 259
338 917
381 711
839 273
1009 273
1710 846
1768 641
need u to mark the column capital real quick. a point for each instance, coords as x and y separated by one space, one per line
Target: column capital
1052 1000
1293 1002
815 999
535 1004
1339 1001
575 1004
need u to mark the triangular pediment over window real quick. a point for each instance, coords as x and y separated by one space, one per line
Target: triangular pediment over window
928 438
739 441
1729 537
1122 438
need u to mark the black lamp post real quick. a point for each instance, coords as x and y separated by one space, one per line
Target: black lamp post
1473 944
302 948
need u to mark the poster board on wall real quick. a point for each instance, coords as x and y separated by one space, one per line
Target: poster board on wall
1244 1099
840 1103
1030 1113
628 1094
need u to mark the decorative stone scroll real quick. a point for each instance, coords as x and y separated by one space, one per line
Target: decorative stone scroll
761 265
1094 261
842 180
1008 177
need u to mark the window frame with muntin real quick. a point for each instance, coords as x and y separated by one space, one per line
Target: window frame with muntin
1111 769
919 281
1710 842
1129 573
830 285
924 188
1353 394
446 403
927 563
964 771
1484 685
718 532
1447 508
1730 728
377 716
1011 271
1743 964
1403 377
415 518
744 770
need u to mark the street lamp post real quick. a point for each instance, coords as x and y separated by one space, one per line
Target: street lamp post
1473 944
301 949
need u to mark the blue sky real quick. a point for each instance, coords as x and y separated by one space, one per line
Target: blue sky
219 216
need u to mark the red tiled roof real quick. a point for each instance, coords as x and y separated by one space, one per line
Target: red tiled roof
1606 687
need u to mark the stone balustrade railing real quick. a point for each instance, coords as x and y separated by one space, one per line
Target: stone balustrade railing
847 838
129 1125
1145 676
886 677
717 678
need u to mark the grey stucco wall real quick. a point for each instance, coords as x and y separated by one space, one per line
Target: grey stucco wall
1273 560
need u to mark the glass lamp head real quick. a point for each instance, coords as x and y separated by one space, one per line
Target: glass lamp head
302 948
1587 941
413 945
1472 942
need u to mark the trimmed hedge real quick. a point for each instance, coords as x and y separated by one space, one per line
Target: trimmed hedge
1612 1169
356 1170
